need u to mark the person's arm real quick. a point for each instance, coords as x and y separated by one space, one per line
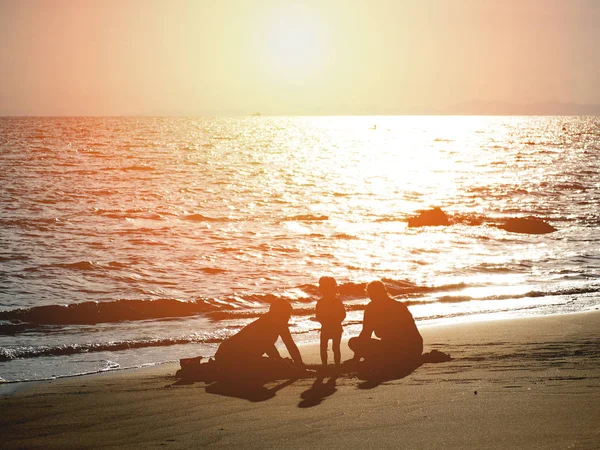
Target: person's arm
291 346
341 312
319 313
367 329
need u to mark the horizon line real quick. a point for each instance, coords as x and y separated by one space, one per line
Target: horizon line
8 116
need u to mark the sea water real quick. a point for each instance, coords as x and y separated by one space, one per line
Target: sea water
134 241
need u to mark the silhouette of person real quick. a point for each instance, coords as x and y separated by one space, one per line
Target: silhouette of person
330 313
400 344
241 355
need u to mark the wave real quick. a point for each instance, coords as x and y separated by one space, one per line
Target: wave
391 219
89 313
394 287
7 354
212 270
247 305
12 329
31 223
80 265
566 186
501 268
133 213
202 218
279 248
344 236
305 218
14 258
138 168
530 294
242 307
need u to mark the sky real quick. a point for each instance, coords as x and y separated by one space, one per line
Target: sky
232 57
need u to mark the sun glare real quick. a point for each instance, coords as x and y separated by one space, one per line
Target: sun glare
294 46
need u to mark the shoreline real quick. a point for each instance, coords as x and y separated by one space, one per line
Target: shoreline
8 387
532 382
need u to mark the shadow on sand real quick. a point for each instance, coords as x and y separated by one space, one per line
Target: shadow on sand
371 380
248 384
251 385
250 392
318 392
374 377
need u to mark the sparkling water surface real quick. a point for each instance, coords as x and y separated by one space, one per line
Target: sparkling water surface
183 229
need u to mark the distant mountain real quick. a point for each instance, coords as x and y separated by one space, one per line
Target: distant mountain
493 108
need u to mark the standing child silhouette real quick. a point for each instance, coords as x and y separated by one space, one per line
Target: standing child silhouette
330 313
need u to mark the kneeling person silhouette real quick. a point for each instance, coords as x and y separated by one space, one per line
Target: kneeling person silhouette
240 357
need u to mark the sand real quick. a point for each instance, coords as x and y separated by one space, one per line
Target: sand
519 383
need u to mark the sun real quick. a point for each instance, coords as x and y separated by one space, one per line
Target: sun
294 45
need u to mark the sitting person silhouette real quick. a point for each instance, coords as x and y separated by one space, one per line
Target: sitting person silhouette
400 344
241 355
330 313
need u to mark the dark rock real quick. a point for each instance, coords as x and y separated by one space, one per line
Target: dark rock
527 226
428 218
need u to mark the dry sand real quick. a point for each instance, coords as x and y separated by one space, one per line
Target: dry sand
513 384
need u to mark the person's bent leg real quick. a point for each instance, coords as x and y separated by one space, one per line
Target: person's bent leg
356 345
399 359
364 347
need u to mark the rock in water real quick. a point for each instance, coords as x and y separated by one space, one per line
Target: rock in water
429 218
527 226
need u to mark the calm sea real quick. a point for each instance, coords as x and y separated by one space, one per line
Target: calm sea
132 241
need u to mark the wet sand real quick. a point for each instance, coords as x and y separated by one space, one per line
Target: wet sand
519 383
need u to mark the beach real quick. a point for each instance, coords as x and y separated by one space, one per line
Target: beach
519 383
173 173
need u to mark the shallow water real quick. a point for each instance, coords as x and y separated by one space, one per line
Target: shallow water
165 235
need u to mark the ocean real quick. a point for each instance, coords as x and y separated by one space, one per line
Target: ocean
130 241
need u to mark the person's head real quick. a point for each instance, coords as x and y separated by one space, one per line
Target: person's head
327 286
376 291
280 310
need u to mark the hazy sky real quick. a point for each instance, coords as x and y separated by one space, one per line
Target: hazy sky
194 57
